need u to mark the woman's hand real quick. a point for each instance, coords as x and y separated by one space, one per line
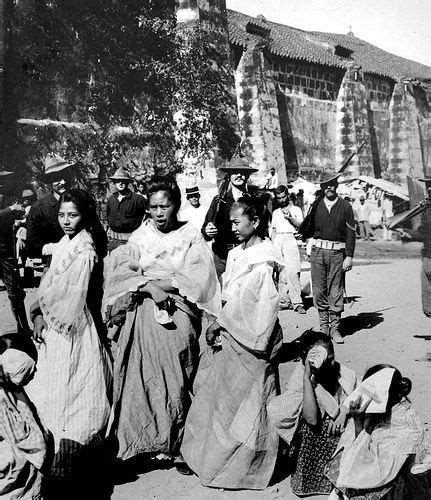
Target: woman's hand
337 426
39 326
160 297
307 369
357 410
213 331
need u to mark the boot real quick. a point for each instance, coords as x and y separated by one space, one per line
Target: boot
334 329
324 321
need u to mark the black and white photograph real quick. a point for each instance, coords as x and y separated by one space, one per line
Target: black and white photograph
215 249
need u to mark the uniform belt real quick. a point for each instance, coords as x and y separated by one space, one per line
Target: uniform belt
329 245
114 235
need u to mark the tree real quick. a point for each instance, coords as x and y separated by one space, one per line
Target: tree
121 70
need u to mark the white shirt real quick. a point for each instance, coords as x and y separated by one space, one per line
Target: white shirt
237 193
272 181
281 225
330 203
194 215
363 211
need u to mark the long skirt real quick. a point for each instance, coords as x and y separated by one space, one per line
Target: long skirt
153 375
228 440
311 450
405 486
70 391
19 479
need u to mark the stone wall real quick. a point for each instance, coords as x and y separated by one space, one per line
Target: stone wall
310 79
259 116
308 131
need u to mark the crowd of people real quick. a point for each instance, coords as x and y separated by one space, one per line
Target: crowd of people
112 371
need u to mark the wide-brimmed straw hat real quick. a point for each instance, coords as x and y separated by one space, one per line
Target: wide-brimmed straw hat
55 165
328 176
238 164
121 174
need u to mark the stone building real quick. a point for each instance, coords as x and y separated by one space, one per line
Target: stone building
307 100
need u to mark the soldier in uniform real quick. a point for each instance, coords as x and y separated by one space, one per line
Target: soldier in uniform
217 225
334 237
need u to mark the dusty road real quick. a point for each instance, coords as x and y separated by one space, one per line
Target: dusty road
384 323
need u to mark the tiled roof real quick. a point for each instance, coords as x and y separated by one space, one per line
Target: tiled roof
319 48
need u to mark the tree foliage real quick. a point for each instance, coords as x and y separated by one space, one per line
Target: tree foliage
150 91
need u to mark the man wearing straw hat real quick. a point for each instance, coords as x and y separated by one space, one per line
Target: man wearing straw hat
10 211
217 225
42 219
124 211
334 237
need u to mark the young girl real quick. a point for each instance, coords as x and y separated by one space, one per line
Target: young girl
383 452
228 441
70 388
308 415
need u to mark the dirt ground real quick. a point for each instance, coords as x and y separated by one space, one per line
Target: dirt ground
382 323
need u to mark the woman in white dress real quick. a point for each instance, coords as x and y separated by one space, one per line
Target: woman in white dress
71 386
228 440
156 288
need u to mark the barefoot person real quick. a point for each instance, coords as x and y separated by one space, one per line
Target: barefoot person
70 388
285 221
308 415
157 286
228 441
383 452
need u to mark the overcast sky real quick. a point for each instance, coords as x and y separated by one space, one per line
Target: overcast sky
402 27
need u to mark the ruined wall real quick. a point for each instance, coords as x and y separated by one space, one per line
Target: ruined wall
259 115
308 130
310 79
405 155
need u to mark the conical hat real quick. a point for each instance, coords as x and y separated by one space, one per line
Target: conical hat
121 175
238 164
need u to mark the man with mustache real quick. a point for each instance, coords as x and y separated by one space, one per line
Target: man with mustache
332 251
217 225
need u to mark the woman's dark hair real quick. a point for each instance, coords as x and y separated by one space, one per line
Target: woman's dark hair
165 183
86 206
400 386
310 338
254 206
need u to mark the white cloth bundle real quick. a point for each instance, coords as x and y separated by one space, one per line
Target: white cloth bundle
17 365
374 388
